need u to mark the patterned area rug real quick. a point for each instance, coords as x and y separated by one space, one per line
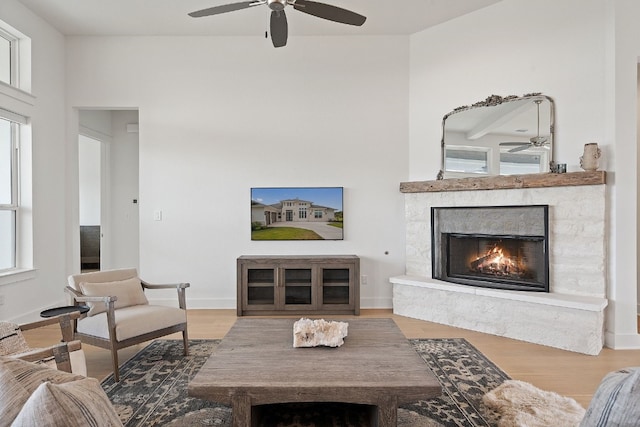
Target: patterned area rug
153 391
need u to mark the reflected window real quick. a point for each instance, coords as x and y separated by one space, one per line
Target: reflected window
463 160
522 163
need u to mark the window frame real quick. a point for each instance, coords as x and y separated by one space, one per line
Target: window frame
14 55
17 105
15 121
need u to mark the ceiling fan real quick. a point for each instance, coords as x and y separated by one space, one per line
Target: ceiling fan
535 141
278 24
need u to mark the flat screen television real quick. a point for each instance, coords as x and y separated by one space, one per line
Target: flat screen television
297 213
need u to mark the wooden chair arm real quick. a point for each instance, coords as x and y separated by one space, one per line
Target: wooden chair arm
60 352
66 322
79 297
50 321
181 287
38 354
148 285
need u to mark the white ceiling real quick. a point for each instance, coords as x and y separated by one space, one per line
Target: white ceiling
169 17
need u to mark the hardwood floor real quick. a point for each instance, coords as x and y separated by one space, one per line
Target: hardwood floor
567 373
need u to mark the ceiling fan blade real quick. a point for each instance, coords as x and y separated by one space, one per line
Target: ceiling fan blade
514 143
520 148
332 13
538 140
216 10
279 28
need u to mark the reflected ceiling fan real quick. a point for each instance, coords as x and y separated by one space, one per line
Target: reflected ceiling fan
535 141
278 24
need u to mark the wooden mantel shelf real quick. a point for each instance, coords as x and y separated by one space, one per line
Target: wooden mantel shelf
502 182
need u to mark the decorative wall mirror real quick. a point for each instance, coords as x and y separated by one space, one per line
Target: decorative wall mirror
498 136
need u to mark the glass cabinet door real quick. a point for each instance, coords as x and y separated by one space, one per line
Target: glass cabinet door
260 286
335 286
298 286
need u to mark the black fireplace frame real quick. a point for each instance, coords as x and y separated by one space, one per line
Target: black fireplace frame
440 267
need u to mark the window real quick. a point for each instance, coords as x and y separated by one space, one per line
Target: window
317 214
16 226
302 213
8 58
9 131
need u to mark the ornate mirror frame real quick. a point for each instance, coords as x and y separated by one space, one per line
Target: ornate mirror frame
499 136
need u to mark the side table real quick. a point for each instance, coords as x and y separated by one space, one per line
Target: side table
57 311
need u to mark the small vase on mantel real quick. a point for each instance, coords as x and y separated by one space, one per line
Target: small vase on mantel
589 159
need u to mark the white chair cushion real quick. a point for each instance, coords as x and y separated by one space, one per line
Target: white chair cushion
129 292
133 321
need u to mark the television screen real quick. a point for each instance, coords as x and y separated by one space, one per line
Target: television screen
297 213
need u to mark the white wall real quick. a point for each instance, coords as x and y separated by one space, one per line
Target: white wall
564 50
43 287
124 231
221 115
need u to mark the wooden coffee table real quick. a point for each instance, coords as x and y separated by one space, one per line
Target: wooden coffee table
256 364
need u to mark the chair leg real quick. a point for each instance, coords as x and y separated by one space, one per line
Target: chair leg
185 342
114 360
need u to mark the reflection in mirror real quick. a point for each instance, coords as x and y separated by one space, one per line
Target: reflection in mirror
498 136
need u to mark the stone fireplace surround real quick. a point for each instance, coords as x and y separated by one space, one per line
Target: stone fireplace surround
570 316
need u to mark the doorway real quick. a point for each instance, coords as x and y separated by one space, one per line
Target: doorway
108 155
90 187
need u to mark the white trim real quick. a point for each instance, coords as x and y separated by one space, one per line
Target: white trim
94 134
577 302
13 117
17 275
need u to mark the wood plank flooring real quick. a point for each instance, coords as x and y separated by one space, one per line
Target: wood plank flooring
567 373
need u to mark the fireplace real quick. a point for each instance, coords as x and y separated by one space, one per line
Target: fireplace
502 247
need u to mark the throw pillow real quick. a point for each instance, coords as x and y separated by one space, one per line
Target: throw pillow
19 379
522 404
79 403
615 402
129 292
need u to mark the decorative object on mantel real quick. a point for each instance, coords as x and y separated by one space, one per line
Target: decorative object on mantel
505 182
589 160
557 167
315 333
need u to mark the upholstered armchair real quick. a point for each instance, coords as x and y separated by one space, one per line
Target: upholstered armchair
66 355
119 313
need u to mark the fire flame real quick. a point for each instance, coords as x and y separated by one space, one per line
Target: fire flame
494 261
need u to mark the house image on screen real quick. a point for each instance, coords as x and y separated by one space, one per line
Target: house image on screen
291 210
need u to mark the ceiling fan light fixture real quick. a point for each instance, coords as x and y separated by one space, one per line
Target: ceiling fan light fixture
277 5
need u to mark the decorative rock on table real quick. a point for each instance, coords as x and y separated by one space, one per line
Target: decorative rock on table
314 333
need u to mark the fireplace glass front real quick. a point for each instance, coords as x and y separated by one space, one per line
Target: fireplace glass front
494 247
512 261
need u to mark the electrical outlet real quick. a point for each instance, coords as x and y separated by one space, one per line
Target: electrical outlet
363 280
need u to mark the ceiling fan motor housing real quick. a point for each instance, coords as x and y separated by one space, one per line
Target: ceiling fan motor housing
277 5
